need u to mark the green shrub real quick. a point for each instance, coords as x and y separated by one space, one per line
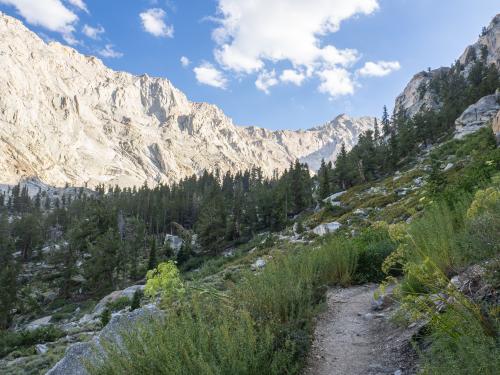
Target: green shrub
136 300
105 317
373 246
467 350
203 337
262 326
10 341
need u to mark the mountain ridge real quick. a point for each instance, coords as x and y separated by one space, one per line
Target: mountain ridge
67 118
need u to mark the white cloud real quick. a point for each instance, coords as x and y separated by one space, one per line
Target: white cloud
253 32
93 32
292 76
379 68
50 14
185 61
265 80
252 36
153 21
109 52
336 82
207 74
79 4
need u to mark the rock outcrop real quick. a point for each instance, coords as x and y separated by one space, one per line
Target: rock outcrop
495 126
67 118
80 353
416 95
477 115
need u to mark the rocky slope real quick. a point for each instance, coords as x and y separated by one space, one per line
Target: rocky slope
412 99
67 118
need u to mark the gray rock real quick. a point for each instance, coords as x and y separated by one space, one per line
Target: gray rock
477 115
175 242
495 126
45 321
419 181
332 198
113 296
401 192
41 348
258 264
324 229
360 212
448 167
77 354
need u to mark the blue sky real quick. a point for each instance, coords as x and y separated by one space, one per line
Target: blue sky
279 64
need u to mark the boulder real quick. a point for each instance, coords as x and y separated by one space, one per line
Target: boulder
324 229
41 348
175 242
258 264
448 167
332 198
79 353
113 296
495 125
477 115
41 322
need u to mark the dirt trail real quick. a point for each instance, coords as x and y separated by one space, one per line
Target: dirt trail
352 339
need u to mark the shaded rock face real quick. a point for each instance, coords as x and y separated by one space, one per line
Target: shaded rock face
414 98
73 362
67 118
495 126
489 39
478 115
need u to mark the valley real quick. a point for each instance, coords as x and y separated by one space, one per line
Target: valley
144 233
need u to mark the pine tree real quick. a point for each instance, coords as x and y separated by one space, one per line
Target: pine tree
136 300
152 263
342 168
386 124
8 273
376 132
324 180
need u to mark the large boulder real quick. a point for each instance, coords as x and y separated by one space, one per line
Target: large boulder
495 125
113 296
175 242
41 322
326 228
73 362
477 115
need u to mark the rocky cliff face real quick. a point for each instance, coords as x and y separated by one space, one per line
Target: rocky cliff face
414 97
67 118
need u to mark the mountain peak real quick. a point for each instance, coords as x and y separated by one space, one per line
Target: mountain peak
67 118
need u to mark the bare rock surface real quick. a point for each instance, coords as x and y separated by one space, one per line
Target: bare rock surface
353 338
78 355
477 115
67 118
416 95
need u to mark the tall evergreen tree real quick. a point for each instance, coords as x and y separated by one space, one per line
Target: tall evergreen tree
8 273
324 180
